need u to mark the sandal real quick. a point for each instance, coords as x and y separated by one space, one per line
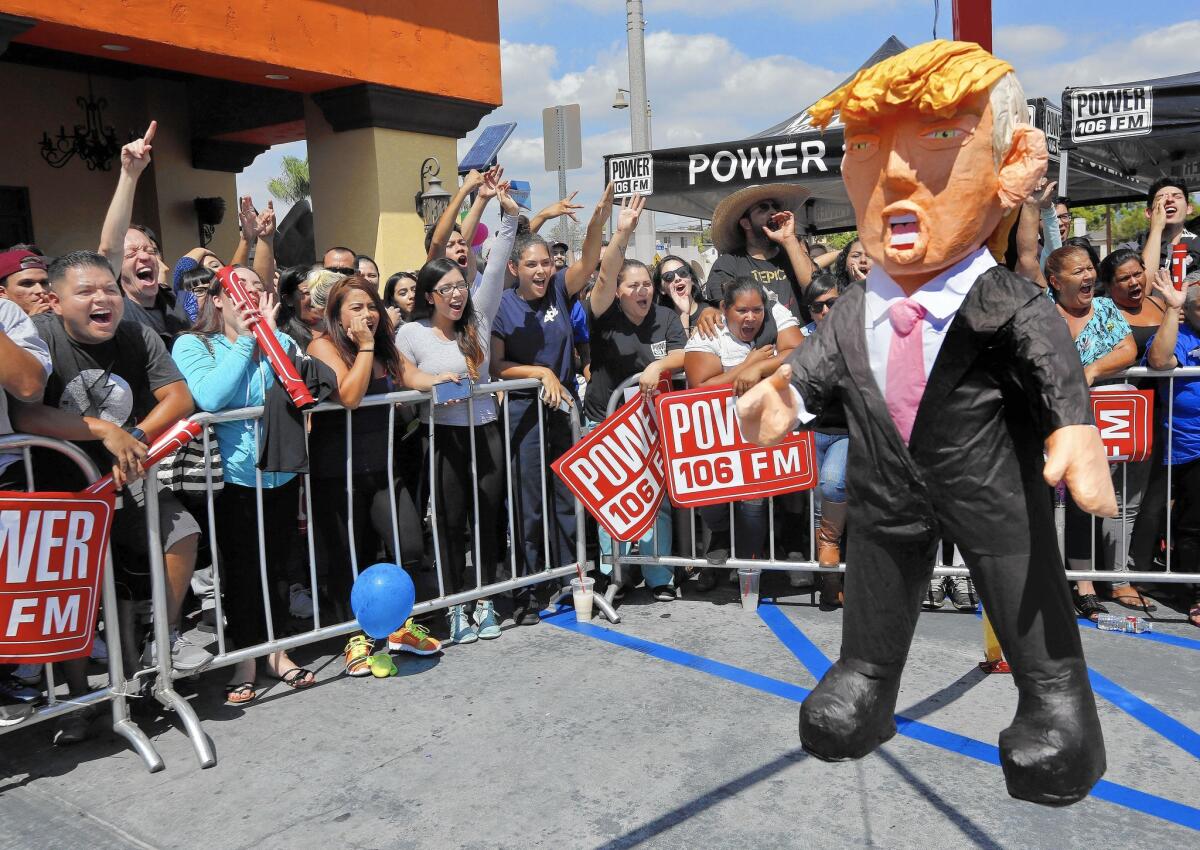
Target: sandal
1134 600
239 694
1088 605
298 678
1194 615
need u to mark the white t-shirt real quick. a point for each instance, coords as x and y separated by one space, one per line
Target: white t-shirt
733 350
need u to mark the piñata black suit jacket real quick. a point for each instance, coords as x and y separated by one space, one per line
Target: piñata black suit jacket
1007 375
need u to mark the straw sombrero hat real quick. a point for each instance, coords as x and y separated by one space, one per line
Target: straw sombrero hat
727 233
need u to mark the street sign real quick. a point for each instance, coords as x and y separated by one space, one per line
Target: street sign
709 461
563 138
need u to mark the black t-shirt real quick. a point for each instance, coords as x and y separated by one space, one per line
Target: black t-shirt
1190 239
776 276
621 349
113 380
167 317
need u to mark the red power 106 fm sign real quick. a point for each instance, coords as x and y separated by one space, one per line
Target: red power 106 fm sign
1125 420
52 554
617 471
710 462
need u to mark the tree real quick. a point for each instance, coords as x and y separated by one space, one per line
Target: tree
838 241
292 185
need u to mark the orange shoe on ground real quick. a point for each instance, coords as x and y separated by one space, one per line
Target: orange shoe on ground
413 637
358 656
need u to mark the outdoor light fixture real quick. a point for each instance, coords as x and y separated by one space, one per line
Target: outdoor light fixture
95 144
209 213
431 201
619 101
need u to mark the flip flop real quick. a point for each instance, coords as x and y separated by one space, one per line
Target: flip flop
240 694
1127 601
298 678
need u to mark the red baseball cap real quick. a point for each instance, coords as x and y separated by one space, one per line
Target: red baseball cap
12 262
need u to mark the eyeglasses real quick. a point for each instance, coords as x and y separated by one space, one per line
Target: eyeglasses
134 250
1065 218
671 276
346 270
447 291
822 306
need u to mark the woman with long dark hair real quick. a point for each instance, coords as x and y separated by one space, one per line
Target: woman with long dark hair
447 340
298 318
399 295
359 348
679 290
220 361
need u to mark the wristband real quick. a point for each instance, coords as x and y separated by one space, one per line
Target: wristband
137 433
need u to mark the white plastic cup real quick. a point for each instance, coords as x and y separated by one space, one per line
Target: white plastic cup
748 578
582 595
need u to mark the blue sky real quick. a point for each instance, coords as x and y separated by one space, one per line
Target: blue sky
725 69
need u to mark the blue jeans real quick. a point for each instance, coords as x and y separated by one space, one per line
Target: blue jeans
831 465
657 541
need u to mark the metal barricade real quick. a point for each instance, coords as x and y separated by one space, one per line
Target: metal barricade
773 561
323 629
118 689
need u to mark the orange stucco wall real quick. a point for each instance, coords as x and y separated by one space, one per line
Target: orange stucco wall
448 49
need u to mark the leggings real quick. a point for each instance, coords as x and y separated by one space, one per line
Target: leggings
372 526
237 539
454 494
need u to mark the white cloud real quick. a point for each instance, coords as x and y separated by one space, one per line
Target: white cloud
1161 52
1028 40
701 89
656 9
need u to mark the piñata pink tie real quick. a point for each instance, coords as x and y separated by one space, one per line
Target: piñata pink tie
905 366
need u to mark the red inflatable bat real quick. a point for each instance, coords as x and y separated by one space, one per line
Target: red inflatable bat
1179 254
284 370
174 438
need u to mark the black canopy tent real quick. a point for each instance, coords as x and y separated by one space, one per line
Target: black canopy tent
691 181
1144 130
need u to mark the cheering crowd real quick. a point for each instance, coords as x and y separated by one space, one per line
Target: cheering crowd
108 348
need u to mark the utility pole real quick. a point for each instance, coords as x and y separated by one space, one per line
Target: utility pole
639 119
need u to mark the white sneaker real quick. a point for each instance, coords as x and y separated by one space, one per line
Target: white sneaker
300 603
186 657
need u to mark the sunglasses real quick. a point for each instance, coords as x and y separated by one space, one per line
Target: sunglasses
677 274
822 306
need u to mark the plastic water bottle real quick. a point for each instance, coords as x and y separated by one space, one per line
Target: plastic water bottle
1121 623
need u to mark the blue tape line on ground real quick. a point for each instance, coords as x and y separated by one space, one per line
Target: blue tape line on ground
1157 637
1142 711
1130 798
795 640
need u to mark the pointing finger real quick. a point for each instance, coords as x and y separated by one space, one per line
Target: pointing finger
150 131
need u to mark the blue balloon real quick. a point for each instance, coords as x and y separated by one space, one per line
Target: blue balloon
382 599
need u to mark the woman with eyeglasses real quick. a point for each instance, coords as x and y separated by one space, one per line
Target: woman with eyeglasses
632 335
449 338
832 442
679 290
739 357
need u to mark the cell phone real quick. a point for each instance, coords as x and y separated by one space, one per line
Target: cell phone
449 391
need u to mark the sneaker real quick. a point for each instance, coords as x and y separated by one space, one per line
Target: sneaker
28 674
663 593
706 580
936 597
99 652
718 548
413 637
357 655
12 689
485 618
962 593
300 603
800 579
14 711
462 630
527 616
186 657
71 729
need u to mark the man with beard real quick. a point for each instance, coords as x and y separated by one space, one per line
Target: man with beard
754 229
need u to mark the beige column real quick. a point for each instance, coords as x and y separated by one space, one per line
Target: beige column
363 187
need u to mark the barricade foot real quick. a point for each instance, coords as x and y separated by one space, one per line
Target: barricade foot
600 600
191 725
137 739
